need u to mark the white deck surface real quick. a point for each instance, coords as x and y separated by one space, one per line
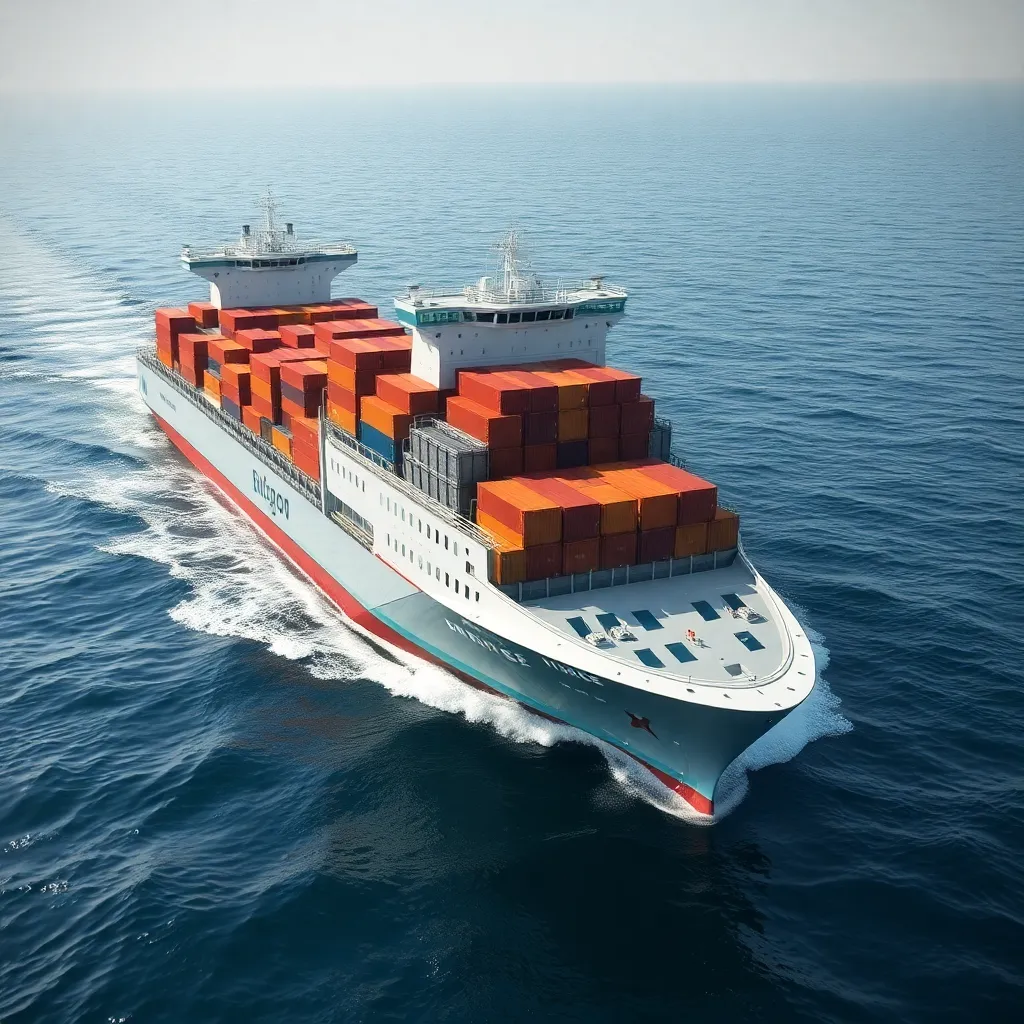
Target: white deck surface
719 656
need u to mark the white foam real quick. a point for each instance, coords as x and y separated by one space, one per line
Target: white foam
240 587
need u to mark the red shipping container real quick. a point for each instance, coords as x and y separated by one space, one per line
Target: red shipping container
634 446
604 421
204 313
230 392
356 353
396 352
543 394
540 428
305 431
494 429
359 382
268 410
627 385
222 350
303 405
257 339
232 320
332 330
192 375
539 457
618 549
340 309
581 556
409 393
697 498
723 530
297 336
193 350
656 545
171 322
267 365
309 464
494 391
581 513
505 462
236 376
599 392
638 416
603 450
342 398
165 357
306 376
543 561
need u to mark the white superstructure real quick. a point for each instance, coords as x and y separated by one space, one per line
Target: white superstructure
269 266
510 317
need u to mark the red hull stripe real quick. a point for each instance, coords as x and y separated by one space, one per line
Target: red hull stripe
355 611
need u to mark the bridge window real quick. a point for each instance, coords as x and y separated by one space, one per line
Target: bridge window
513 318
543 314
557 314
569 314
485 318
528 318
502 318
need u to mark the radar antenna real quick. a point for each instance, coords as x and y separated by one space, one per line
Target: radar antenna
517 278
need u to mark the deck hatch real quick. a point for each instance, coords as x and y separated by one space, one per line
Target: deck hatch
733 601
680 652
608 620
649 658
707 613
750 641
647 620
580 625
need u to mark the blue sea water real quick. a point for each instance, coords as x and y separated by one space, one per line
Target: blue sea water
218 802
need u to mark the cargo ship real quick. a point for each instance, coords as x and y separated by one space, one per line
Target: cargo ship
472 482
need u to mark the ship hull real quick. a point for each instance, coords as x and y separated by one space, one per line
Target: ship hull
685 745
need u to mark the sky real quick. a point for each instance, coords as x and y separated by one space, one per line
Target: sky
75 45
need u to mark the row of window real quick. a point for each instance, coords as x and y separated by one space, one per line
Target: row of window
349 475
425 566
453 316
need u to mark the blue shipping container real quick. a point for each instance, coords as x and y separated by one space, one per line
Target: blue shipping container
377 441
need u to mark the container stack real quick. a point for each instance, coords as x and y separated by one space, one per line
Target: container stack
268 369
622 514
446 464
170 325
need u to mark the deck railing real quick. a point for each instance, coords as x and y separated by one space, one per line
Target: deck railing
266 453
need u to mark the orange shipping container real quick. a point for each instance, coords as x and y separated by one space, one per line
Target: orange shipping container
408 393
657 502
251 418
204 313
618 509
359 382
723 530
340 309
232 320
281 440
572 425
494 429
572 392
697 497
341 417
528 517
193 349
581 513
386 418
604 450
297 336
691 540
599 392
267 365
171 322
581 556
263 389
165 357
222 350
305 376
332 330
305 431
212 387
627 385
507 561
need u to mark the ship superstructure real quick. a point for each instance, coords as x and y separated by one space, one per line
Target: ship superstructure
387 466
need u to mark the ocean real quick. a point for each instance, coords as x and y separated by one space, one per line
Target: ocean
218 802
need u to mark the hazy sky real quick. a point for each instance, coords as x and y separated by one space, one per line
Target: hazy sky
250 44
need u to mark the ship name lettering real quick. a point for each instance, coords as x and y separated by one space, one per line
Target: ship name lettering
514 657
276 502
568 670
167 401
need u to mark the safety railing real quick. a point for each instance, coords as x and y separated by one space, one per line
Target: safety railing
266 453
